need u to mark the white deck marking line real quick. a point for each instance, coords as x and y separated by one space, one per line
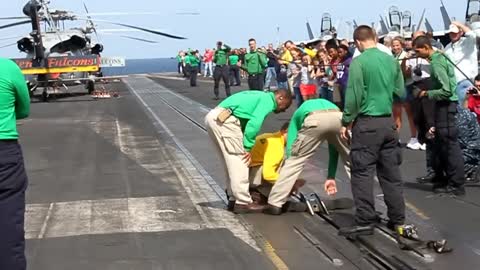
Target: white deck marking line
45 222
125 215
179 79
227 219
218 192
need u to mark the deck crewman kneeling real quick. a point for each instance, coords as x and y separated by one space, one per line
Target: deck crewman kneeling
267 159
233 127
314 121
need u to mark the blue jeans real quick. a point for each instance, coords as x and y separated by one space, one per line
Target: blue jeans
326 93
282 85
271 74
462 87
298 96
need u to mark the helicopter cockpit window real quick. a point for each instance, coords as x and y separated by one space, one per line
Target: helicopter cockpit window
75 43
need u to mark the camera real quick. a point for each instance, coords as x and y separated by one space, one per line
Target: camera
473 91
417 71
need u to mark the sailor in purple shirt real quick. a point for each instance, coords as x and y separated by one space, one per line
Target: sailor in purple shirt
342 71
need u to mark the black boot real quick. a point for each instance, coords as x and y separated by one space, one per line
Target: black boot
451 190
272 210
429 178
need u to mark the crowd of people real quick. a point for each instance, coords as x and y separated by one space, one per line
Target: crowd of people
350 94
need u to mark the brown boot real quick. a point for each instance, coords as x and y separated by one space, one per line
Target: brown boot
248 208
258 197
230 206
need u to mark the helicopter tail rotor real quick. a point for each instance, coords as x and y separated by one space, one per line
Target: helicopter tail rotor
90 22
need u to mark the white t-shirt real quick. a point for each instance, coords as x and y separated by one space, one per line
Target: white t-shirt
401 56
464 54
380 46
424 66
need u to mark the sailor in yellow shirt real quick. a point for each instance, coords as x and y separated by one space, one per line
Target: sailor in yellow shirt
267 157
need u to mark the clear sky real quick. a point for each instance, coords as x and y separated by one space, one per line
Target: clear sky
234 22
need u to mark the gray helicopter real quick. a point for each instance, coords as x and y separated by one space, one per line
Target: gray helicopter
56 55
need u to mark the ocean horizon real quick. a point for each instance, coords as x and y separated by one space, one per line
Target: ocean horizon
141 66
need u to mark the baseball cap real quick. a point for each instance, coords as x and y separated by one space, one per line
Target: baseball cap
453 29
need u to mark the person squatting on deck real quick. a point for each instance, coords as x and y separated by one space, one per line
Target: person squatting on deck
233 126
316 121
14 104
267 159
374 78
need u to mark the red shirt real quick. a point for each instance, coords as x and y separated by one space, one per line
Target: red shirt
474 106
208 56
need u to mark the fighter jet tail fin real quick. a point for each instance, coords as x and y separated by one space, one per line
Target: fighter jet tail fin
428 26
383 26
310 32
422 19
446 19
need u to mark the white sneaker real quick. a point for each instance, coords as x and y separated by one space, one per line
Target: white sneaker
423 147
413 144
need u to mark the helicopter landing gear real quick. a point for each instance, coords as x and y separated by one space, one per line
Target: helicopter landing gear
90 87
44 95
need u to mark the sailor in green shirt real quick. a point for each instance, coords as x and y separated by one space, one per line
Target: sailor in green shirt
315 121
233 59
445 143
374 77
180 55
222 69
256 62
233 127
14 105
186 62
14 99
193 59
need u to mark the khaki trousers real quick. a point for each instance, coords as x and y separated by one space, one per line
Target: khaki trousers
256 180
228 139
318 127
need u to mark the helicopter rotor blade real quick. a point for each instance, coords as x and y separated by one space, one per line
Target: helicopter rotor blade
141 29
130 37
9 38
86 9
140 39
8 45
135 13
150 31
14 24
13 18
187 13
